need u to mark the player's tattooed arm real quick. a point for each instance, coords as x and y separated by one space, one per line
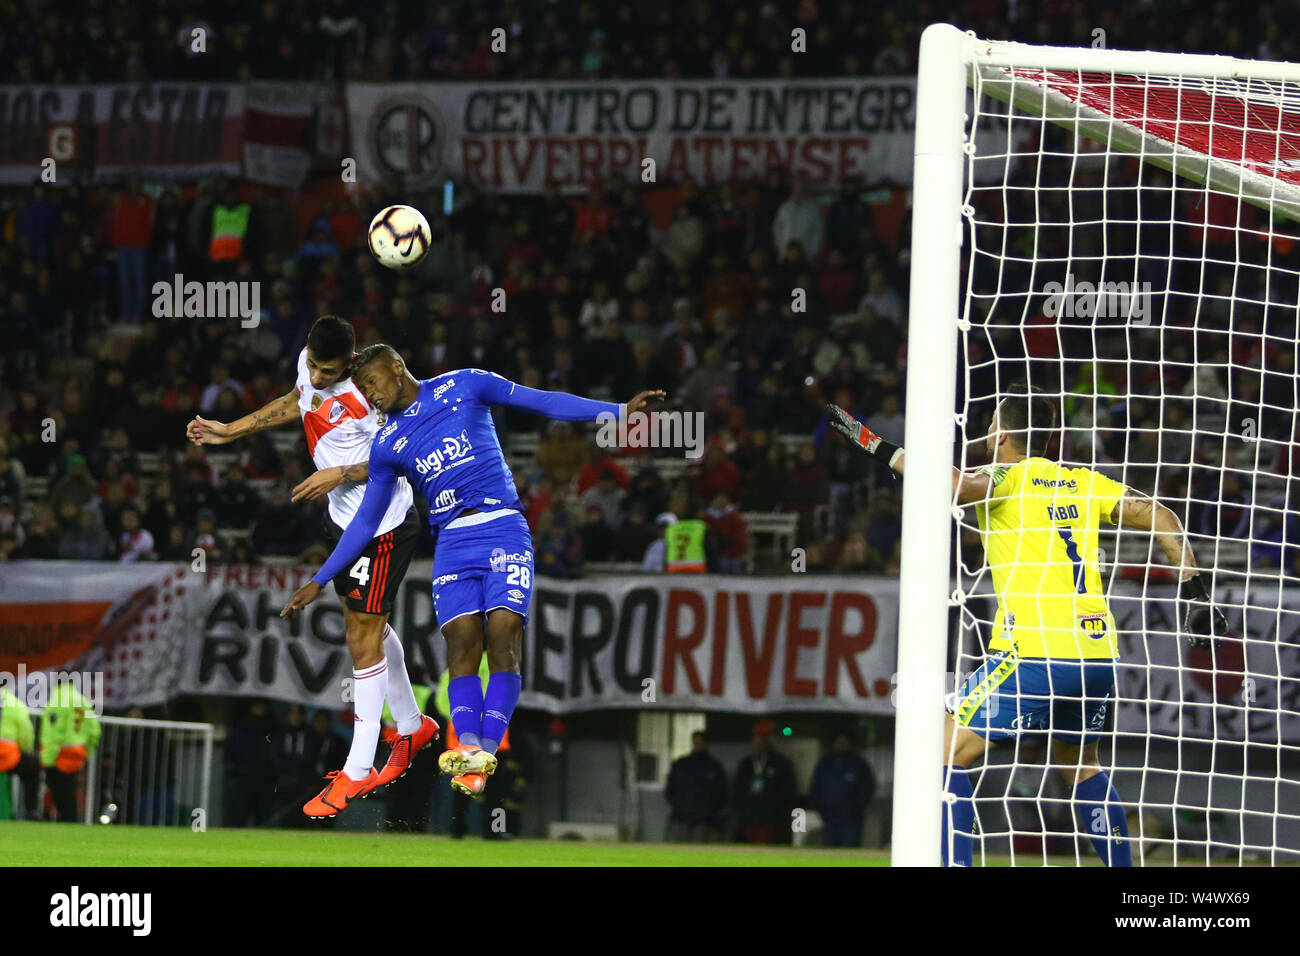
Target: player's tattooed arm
1202 621
327 479
1136 510
201 431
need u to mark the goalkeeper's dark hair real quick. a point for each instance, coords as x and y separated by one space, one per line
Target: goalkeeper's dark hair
1028 416
372 353
330 338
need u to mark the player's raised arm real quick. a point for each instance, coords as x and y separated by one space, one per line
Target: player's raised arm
279 411
1202 620
492 389
359 532
967 488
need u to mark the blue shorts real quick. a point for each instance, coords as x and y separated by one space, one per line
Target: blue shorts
1011 695
481 567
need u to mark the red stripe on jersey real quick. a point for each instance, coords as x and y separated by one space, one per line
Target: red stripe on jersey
379 577
322 419
389 540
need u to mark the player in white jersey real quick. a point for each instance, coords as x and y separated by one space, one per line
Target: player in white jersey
339 424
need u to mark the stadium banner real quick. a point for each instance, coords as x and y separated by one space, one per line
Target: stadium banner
284 123
701 643
698 642
167 130
1235 691
125 621
529 137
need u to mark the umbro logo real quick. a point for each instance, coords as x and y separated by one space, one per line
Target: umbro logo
412 411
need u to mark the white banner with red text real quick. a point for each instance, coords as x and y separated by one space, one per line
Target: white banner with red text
529 137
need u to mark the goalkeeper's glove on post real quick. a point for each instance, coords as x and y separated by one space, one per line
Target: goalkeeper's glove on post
1202 621
862 436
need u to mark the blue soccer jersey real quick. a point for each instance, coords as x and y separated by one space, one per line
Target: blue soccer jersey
446 445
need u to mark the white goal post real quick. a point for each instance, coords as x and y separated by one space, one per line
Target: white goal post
1075 135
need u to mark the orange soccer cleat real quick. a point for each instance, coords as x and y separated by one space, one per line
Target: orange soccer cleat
471 784
466 759
338 792
406 746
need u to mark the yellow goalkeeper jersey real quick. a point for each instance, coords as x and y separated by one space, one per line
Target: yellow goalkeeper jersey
1040 529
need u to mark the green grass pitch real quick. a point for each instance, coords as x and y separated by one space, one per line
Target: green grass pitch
47 844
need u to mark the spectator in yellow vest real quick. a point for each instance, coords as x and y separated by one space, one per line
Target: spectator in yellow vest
17 739
69 735
689 545
229 226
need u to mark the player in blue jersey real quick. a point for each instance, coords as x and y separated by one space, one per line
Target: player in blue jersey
439 434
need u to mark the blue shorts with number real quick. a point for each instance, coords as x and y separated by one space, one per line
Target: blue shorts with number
1010 695
481 567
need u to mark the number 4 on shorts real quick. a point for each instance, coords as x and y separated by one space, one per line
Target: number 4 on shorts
361 570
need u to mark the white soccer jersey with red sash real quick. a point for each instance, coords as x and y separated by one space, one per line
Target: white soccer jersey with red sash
340 425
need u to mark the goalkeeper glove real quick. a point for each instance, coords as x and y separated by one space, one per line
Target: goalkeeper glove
862 436
1202 621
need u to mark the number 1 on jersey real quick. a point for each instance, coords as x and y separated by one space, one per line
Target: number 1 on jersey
1072 552
1071 548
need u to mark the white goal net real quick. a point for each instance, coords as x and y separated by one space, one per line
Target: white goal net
1128 249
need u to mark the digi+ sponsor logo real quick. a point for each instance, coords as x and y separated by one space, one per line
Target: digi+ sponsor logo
455 451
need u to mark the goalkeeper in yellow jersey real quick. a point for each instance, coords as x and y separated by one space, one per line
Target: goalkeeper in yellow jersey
1051 666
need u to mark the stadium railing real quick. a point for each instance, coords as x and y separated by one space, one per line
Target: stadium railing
148 772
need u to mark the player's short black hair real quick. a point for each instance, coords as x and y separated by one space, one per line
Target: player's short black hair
372 352
330 338
1028 416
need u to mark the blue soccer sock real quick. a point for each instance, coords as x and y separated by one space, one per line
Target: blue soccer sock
498 706
465 698
1101 815
962 815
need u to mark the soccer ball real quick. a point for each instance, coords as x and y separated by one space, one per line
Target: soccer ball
399 236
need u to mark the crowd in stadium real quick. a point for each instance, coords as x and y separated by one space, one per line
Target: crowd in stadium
600 302
606 306
349 39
